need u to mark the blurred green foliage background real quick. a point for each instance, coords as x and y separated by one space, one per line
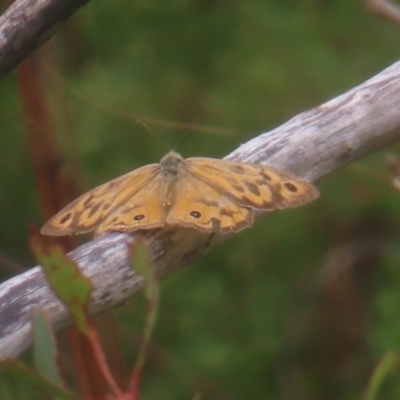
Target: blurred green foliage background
303 304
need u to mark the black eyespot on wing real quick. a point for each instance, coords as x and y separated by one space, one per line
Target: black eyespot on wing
291 187
65 218
195 214
138 217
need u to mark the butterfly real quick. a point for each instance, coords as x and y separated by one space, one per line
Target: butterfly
210 195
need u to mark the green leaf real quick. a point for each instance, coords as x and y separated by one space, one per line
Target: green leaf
70 285
44 348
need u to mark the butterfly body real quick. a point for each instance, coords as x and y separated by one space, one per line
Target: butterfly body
170 167
206 194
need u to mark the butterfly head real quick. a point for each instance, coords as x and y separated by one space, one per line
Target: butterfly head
170 163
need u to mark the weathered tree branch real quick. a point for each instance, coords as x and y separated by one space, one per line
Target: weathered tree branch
26 24
312 145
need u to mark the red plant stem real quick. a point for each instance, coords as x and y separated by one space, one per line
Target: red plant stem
94 341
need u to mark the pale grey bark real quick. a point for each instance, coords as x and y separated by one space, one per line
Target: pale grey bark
386 9
312 145
26 24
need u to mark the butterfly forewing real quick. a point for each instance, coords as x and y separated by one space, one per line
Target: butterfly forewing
92 208
252 185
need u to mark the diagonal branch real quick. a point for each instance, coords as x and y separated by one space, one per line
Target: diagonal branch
312 145
26 24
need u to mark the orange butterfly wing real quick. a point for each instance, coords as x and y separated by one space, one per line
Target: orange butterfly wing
253 185
143 210
198 205
207 194
219 195
98 207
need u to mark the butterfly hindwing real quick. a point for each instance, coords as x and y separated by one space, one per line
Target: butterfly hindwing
143 210
198 205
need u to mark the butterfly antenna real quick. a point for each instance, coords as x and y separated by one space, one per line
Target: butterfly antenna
187 130
152 132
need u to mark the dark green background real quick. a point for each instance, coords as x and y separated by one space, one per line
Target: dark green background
283 310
